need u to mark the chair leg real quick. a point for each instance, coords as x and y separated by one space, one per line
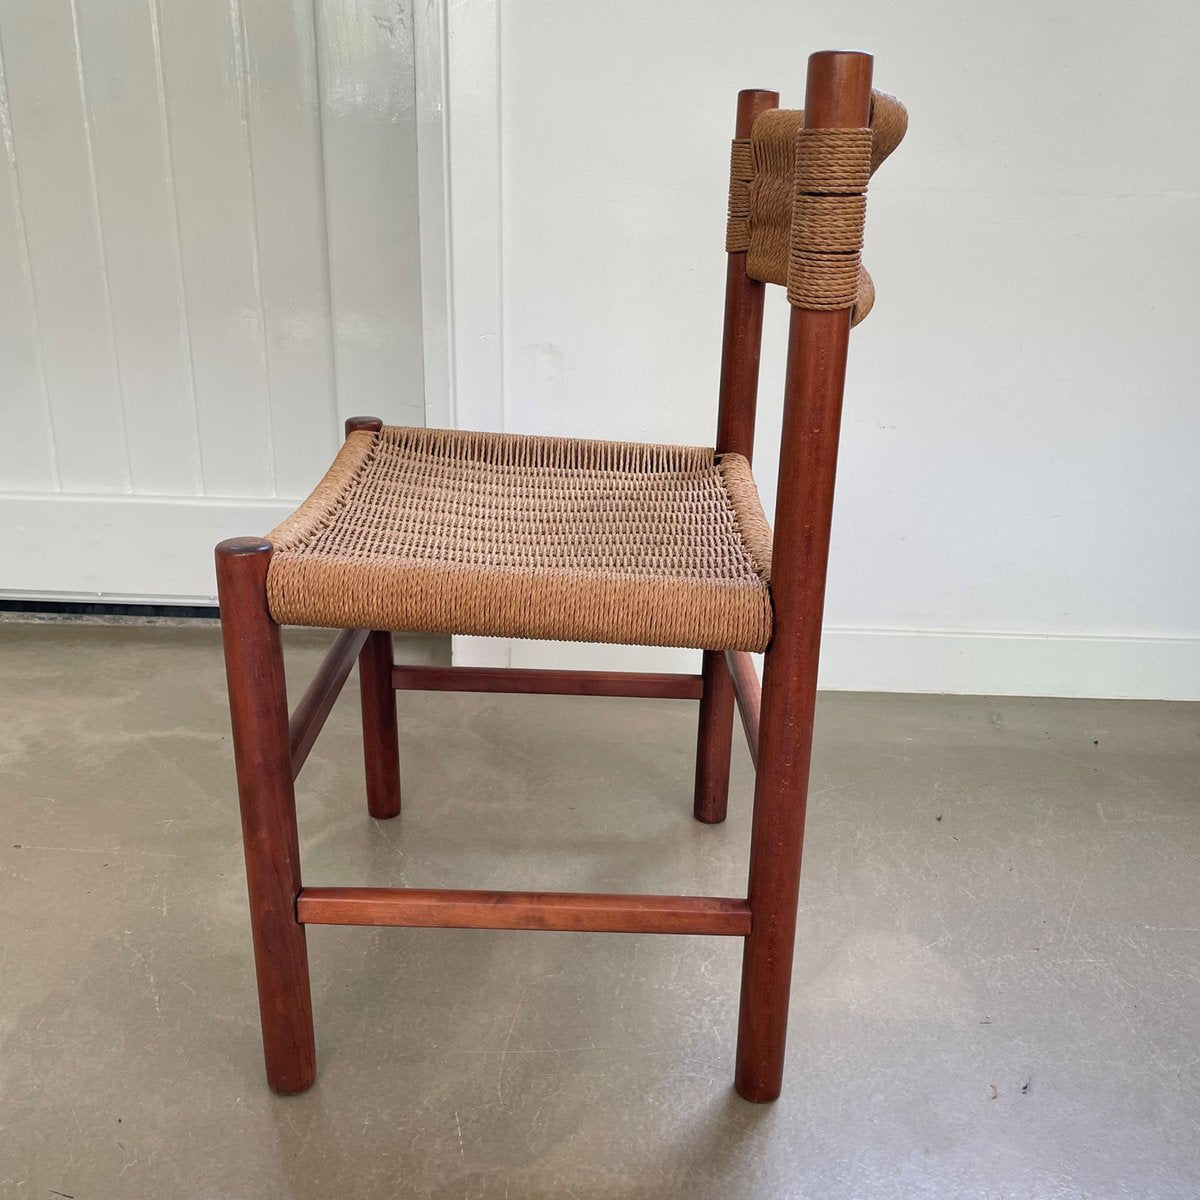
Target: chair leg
258 711
776 841
714 741
381 749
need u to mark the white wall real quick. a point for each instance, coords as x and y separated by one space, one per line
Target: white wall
1018 496
209 256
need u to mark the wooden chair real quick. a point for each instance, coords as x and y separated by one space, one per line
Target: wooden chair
424 530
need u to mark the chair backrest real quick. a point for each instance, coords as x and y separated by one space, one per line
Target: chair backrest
797 208
796 214
797 203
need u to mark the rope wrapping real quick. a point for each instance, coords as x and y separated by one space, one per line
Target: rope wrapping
741 174
797 203
828 215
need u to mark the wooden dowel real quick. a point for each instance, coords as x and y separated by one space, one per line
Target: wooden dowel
665 686
259 718
363 424
714 740
742 343
748 691
741 347
838 96
573 911
381 744
309 718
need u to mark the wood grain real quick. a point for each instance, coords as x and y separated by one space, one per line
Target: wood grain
748 692
306 723
381 745
577 911
663 686
741 349
258 713
838 96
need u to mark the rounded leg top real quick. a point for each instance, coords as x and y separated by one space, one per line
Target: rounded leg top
234 547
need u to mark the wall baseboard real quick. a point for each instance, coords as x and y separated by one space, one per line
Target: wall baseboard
907 660
1011 664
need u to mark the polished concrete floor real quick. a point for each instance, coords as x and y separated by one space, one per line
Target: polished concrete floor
997 990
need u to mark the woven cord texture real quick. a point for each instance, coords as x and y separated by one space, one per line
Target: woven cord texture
889 123
502 535
784 236
773 141
741 172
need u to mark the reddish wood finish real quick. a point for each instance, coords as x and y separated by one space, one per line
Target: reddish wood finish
258 709
838 96
578 911
778 723
714 741
662 686
309 718
742 339
740 350
370 424
381 745
749 696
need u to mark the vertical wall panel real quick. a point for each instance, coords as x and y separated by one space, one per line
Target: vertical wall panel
365 50
133 182
209 254
52 146
27 444
280 73
206 117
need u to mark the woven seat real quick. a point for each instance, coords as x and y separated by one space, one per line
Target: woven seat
531 537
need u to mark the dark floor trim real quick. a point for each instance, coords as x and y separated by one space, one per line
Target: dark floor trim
100 609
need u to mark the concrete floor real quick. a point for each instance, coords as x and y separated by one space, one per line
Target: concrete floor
997 990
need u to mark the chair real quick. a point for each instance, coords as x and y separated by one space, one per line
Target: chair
430 530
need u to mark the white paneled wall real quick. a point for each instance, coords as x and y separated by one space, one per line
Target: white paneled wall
209 256
1017 487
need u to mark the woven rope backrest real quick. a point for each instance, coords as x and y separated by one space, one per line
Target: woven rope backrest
797 203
